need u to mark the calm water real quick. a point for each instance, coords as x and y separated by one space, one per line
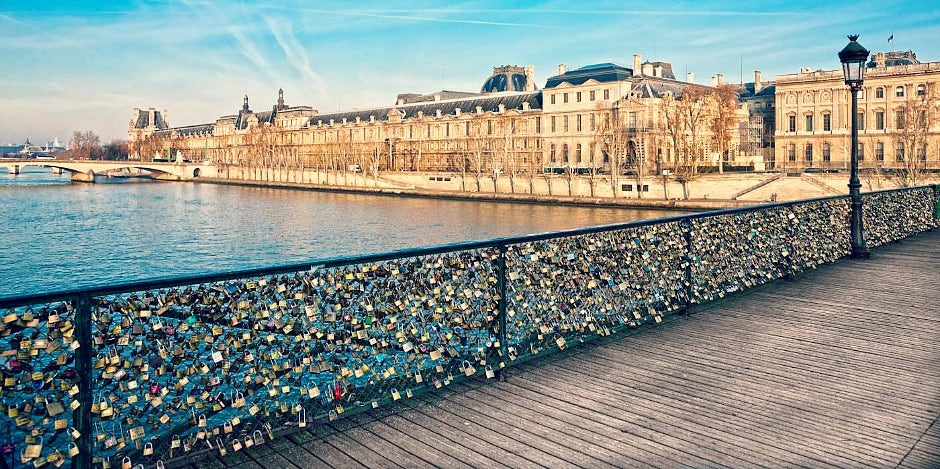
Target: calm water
56 235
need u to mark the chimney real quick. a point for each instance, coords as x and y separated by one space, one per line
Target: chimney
658 71
530 78
562 68
720 78
150 121
437 97
400 101
689 77
712 81
757 84
636 65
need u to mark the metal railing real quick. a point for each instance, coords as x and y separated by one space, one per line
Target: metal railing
150 371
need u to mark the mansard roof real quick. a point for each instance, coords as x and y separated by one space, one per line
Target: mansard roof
194 129
143 120
488 102
656 88
603 72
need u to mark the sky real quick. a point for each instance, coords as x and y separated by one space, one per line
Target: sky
84 65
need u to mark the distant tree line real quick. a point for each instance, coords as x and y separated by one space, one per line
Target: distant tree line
87 146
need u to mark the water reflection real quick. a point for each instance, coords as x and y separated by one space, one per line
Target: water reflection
59 235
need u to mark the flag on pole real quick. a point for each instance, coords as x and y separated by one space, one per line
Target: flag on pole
890 38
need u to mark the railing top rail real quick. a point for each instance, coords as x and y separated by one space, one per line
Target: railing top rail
168 282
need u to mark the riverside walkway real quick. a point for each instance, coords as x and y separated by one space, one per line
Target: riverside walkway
836 368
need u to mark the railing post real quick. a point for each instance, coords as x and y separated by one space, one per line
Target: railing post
686 225
936 201
83 369
503 307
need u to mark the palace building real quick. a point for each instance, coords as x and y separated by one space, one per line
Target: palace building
596 119
897 117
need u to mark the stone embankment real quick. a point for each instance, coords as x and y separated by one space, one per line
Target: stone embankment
708 192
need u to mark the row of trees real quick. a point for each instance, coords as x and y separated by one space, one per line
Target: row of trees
87 146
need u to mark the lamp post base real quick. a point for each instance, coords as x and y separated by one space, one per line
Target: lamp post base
860 254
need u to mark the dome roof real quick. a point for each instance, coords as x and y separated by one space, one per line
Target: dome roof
506 78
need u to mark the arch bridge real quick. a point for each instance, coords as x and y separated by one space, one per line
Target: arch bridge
88 170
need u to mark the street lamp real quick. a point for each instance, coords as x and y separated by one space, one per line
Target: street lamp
853 58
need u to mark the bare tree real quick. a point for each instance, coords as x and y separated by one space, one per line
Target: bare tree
722 120
683 121
84 145
612 138
913 127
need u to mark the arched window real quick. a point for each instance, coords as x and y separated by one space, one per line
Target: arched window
577 154
921 90
899 92
879 92
564 150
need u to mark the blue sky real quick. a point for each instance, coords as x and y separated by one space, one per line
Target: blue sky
84 65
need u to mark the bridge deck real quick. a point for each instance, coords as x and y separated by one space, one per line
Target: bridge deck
838 368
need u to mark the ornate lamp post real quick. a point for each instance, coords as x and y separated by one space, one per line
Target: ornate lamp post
853 58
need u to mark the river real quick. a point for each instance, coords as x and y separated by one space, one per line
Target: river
56 235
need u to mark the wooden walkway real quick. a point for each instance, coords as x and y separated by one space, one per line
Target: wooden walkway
838 368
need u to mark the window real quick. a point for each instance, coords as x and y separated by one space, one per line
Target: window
901 120
447 130
827 122
593 121
809 152
922 152
880 151
861 121
551 153
553 124
606 94
564 149
792 126
577 154
631 121
791 152
879 120
921 90
538 125
553 98
809 123
861 151
579 122
591 150
565 98
900 151
899 92
879 93
577 96
826 152
565 120
591 95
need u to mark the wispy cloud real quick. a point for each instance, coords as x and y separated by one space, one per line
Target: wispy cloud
294 51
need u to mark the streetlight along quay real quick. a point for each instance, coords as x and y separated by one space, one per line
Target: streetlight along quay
853 58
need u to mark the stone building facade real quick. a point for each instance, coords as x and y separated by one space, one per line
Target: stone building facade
598 119
899 129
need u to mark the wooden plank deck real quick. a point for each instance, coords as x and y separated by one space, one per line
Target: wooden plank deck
838 368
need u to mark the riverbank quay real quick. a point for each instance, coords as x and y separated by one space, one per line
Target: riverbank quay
788 374
689 205
181 369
